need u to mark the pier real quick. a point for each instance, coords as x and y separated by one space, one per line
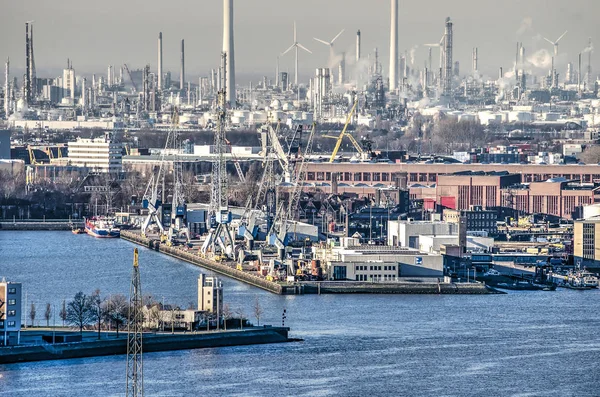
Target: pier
301 288
91 347
41 224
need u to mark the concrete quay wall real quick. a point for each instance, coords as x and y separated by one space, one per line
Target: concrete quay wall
343 287
205 263
35 226
151 343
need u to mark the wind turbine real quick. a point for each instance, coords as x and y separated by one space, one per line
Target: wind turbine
555 43
440 45
296 45
330 43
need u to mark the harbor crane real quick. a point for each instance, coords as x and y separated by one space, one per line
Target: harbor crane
363 155
154 195
178 227
220 241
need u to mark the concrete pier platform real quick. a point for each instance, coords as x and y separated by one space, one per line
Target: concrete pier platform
151 342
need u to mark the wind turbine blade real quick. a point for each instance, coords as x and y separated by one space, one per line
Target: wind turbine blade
323 41
304 48
295 32
563 35
338 35
289 49
549 41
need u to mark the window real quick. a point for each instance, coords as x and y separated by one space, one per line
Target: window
12 302
10 323
11 313
208 302
208 293
12 291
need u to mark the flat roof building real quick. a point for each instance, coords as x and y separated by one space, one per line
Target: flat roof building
11 310
98 154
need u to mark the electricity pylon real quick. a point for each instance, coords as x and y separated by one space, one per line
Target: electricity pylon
135 368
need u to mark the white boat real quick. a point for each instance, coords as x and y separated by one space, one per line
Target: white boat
588 279
492 272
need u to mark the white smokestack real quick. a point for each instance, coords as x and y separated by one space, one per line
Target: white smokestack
394 47
182 71
358 46
228 48
6 89
160 62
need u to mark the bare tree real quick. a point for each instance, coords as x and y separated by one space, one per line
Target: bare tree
258 311
591 155
80 311
32 313
227 313
240 313
115 310
96 306
63 312
48 314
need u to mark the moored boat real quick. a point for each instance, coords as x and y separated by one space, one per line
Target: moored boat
102 228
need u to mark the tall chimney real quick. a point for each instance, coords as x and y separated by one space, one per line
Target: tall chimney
182 71
228 48
27 84
160 53
394 47
475 61
447 89
579 76
590 81
358 46
7 89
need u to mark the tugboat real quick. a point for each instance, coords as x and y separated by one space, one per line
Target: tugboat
102 227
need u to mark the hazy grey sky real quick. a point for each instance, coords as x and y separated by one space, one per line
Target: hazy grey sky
96 34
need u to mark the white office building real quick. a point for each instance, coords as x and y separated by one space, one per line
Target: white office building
210 294
11 309
98 154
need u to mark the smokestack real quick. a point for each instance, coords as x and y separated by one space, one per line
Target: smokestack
579 76
277 74
6 89
32 74
501 74
27 84
83 96
342 69
228 48
589 66
475 61
447 89
182 71
160 62
358 46
394 47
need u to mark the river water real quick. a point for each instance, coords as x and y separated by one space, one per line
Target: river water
518 344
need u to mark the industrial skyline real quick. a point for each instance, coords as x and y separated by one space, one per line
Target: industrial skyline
258 44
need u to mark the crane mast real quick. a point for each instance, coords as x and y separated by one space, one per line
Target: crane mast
220 237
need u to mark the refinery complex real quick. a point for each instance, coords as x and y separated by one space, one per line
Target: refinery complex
422 171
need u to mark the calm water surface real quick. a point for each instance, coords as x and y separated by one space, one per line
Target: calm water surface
519 344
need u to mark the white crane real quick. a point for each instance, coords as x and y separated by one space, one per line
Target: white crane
555 43
296 45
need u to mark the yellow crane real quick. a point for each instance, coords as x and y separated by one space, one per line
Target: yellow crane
32 159
340 138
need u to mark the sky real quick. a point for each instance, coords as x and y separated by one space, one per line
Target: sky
95 34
